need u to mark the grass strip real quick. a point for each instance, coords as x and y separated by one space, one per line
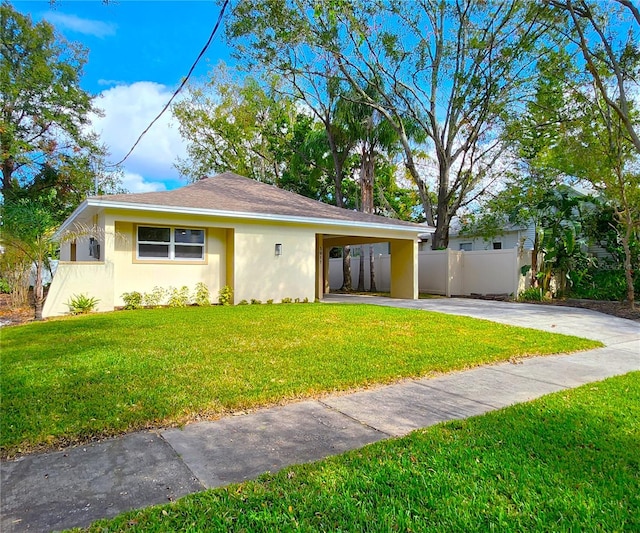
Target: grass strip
78 378
569 461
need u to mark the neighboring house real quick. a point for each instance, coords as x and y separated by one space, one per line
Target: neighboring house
510 237
263 242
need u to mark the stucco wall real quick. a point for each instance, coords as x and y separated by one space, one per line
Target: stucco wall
260 273
94 279
131 275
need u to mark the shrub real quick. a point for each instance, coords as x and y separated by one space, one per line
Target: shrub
243 302
5 288
132 300
178 297
154 298
286 301
269 301
602 284
305 301
255 301
225 295
201 295
81 304
532 294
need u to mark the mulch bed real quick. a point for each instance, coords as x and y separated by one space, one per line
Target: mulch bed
12 317
619 309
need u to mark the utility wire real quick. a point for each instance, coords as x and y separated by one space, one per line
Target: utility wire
184 82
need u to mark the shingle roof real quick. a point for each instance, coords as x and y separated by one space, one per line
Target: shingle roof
230 192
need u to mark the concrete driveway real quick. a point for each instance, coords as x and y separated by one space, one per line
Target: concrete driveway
76 486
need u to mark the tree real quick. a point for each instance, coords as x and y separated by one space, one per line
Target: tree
602 144
448 73
28 227
611 57
238 126
49 161
377 139
43 110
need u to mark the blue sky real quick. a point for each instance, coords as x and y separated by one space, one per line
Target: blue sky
139 51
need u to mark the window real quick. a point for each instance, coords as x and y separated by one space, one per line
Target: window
497 246
466 246
173 244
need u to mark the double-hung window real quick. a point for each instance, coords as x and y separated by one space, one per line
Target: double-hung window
170 243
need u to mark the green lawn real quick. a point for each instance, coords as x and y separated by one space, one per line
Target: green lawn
72 379
567 462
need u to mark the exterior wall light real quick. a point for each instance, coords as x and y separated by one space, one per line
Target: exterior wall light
278 249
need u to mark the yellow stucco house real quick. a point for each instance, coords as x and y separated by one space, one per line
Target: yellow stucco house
264 242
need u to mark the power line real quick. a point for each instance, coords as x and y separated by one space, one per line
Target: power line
184 82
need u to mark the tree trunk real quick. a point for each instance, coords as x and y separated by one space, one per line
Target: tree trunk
443 216
372 271
628 272
38 292
534 258
346 269
361 270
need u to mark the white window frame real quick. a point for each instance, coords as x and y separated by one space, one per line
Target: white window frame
172 244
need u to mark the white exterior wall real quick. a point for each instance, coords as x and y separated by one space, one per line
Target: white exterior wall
508 240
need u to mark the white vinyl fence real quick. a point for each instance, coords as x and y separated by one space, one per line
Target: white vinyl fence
449 272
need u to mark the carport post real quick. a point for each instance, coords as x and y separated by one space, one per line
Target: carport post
404 269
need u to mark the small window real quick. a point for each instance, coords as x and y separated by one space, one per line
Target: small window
179 244
497 246
466 246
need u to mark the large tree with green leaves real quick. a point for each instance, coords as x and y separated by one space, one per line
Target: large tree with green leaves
44 112
601 133
444 75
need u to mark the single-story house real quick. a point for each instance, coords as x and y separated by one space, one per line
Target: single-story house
227 230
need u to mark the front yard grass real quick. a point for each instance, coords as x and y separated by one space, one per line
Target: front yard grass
566 462
74 379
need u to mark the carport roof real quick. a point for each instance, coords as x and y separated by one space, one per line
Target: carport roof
229 194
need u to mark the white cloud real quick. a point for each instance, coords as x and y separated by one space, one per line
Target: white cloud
128 110
136 183
104 82
97 28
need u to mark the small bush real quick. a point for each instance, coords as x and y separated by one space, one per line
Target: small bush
602 284
5 288
532 294
178 297
305 301
132 300
286 301
225 295
255 301
243 302
155 297
81 304
201 295
269 301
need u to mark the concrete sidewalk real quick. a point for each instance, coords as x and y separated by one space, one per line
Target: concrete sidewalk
79 485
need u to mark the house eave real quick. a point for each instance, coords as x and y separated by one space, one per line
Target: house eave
314 221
